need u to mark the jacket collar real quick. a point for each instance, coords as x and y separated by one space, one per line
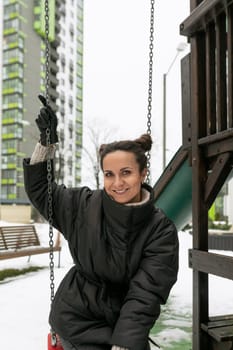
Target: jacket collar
127 218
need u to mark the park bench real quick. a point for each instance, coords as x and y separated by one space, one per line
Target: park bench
23 240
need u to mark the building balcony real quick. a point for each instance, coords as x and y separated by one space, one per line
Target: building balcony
53 81
12 105
53 67
54 55
55 43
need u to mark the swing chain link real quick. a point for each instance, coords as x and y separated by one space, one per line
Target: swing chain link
149 106
49 162
47 55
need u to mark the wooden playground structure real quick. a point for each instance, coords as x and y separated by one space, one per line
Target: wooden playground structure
207 80
194 177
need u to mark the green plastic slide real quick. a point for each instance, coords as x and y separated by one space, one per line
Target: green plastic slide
173 190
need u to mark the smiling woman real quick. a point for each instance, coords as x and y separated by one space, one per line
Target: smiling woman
125 250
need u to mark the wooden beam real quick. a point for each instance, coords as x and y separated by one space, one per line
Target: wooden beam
211 263
217 177
216 144
220 147
223 135
199 210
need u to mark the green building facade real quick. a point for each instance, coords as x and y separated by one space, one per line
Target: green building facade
23 78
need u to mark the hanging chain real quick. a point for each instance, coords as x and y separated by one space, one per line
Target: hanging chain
47 56
149 106
49 163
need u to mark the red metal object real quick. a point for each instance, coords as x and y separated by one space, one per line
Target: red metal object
54 342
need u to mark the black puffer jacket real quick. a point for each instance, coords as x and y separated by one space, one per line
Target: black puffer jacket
125 263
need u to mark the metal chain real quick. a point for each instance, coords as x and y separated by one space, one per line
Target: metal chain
49 163
149 106
47 55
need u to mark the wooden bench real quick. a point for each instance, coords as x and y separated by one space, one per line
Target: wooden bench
23 240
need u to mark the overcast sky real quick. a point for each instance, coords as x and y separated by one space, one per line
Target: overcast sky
116 59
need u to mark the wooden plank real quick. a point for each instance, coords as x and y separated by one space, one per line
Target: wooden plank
211 263
27 252
18 241
18 228
222 135
221 72
222 334
210 80
186 101
202 15
218 148
218 323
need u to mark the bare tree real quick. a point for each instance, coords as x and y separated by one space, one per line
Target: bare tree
96 135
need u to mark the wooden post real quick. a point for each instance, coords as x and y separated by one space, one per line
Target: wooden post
199 209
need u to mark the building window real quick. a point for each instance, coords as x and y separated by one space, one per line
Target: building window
12 8
9 192
9 175
11 159
12 56
12 70
12 131
9 146
12 101
12 85
13 40
12 116
12 24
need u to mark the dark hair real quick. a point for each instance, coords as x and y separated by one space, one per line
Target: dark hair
138 147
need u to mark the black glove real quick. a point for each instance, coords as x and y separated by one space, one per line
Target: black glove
47 119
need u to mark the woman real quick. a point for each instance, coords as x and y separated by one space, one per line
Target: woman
125 250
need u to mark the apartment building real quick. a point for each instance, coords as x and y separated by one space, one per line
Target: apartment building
70 73
23 68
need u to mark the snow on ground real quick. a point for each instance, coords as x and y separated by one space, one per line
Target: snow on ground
25 300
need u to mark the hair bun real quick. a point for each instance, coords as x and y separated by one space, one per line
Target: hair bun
101 148
145 142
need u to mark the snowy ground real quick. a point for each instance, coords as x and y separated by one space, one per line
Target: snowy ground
25 301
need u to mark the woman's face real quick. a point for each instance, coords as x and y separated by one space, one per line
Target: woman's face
122 178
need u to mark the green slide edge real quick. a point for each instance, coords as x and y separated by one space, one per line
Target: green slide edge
176 198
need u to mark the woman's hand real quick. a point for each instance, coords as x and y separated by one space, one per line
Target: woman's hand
47 120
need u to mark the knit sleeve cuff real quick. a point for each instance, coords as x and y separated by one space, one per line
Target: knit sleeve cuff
42 153
115 347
